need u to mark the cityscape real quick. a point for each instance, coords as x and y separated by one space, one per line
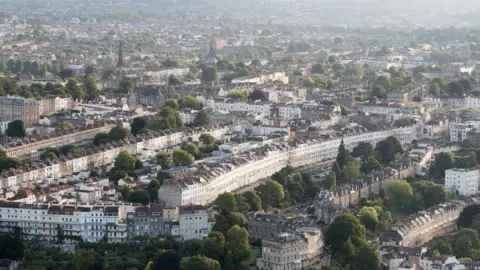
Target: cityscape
233 135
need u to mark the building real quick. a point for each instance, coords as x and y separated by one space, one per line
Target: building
193 223
16 108
52 104
212 58
464 182
153 97
435 129
459 131
145 221
290 251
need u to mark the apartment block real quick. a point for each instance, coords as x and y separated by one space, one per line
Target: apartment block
17 108
465 182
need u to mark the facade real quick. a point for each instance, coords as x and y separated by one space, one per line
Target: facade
193 223
150 97
464 182
290 251
16 108
77 136
419 228
436 129
263 225
459 131
254 108
92 223
52 104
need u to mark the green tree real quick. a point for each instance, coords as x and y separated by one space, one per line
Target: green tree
66 73
340 230
271 193
210 74
241 95
192 149
125 161
463 247
138 124
253 200
370 165
139 196
201 119
336 169
384 81
318 68
434 89
182 158
118 133
351 170
126 85
226 203
399 196
169 259
366 257
470 234
443 246
206 139
164 159
16 128
174 80
91 88
152 189
213 245
444 161
87 260
343 155
257 95
330 181
441 82
172 103
387 149
199 263
369 218
100 138
363 149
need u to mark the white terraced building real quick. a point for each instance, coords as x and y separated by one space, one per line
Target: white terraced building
202 187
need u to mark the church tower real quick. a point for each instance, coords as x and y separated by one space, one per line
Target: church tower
212 57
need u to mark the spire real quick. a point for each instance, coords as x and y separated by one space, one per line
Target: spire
120 55
212 57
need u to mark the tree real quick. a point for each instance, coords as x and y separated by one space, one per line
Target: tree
66 73
340 230
240 95
366 257
201 119
369 165
431 194
443 246
336 169
470 234
174 80
206 139
139 196
271 193
126 85
172 103
169 259
237 243
330 181
455 88
171 63
257 95
18 66
434 89
379 92
89 70
100 138
253 200
138 124
399 196
125 161
213 245
384 81
463 247
226 203
444 161
74 89
318 68
369 218
351 170
165 160
91 88
363 149
16 128
387 149
118 133
343 110
343 155
210 74
199 263
192 149
86 260
182 158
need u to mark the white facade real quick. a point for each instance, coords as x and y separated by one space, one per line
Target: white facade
463 181
290 112
193 224
188 117
254 108
458 131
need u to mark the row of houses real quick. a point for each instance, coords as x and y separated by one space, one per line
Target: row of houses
92 223
53 170
202 184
